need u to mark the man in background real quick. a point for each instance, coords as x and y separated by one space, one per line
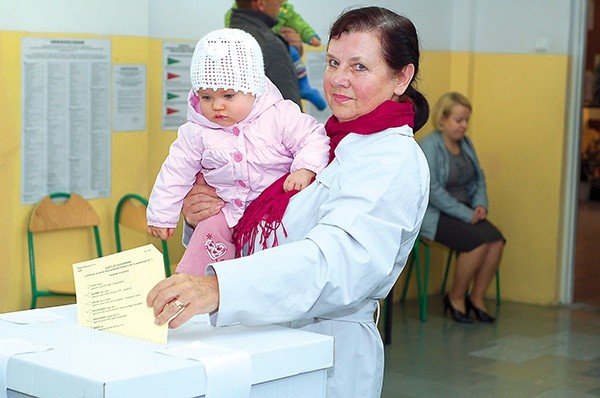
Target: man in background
257 17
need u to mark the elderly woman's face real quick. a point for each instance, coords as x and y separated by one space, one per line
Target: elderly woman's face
357 79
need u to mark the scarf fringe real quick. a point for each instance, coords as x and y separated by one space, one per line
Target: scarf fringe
262 218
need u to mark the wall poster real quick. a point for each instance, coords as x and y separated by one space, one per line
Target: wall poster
129 97
177 57
65 113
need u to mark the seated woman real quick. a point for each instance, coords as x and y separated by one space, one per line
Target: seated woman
457 213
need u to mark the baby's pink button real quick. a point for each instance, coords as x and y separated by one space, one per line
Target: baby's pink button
236 131
241 183
238 157
238 203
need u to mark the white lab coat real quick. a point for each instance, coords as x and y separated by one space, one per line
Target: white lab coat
349 236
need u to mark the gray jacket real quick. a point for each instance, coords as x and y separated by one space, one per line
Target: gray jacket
439 198
279 66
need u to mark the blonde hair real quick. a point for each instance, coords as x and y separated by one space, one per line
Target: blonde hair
444 105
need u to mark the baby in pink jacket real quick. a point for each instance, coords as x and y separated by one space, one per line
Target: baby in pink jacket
241 135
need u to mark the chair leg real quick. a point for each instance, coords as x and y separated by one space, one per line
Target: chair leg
166 259
420 294
417 255
425 290
422 283
448 264
387 317
497 287
411 264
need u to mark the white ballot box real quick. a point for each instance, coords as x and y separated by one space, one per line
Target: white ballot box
45 353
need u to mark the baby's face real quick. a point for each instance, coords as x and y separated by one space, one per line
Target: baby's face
225 107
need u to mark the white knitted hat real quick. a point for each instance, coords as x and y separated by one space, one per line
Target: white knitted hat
228 59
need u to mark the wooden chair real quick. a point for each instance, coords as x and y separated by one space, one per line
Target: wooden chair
131 214
52 218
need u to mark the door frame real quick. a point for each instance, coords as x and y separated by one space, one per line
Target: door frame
574 107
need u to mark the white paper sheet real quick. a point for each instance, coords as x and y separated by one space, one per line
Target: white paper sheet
129 97
111 293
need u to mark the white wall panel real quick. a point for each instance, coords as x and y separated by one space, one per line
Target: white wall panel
494 26
102 17
186 19
523 26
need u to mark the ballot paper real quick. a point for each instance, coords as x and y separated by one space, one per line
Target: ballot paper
111 293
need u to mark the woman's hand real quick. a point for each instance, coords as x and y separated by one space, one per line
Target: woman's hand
479 213
179 297
200 203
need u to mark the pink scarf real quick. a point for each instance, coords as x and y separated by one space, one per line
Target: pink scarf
269 207
388 114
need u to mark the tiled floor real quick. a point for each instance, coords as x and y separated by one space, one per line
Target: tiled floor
531 351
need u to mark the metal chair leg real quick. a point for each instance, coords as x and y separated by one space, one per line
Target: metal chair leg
387 317
497 287
422 279
425 289
451 253
411 264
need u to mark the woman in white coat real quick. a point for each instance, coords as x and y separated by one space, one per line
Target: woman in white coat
350 232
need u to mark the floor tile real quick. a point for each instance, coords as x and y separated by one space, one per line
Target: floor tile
531 351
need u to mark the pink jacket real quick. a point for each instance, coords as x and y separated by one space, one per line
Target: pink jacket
239 161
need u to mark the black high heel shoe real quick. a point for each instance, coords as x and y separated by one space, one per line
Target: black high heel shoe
479 313
456 314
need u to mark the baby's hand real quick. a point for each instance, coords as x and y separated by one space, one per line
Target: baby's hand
315 41
162 233
299 180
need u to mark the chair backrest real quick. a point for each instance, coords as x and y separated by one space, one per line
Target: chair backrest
131 214
50 214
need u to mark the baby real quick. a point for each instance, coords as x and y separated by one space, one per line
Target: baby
242 136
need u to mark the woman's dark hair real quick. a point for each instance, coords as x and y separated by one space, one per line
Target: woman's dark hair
399 43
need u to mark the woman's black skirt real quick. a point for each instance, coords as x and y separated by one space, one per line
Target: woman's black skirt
463 236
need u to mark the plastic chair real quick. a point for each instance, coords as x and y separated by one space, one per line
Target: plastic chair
454 254
131 214
50 216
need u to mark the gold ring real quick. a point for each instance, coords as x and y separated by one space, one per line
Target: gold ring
180 306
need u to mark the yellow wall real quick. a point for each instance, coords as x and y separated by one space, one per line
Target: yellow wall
520 139
518 127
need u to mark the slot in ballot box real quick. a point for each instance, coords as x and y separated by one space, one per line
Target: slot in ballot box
82 362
